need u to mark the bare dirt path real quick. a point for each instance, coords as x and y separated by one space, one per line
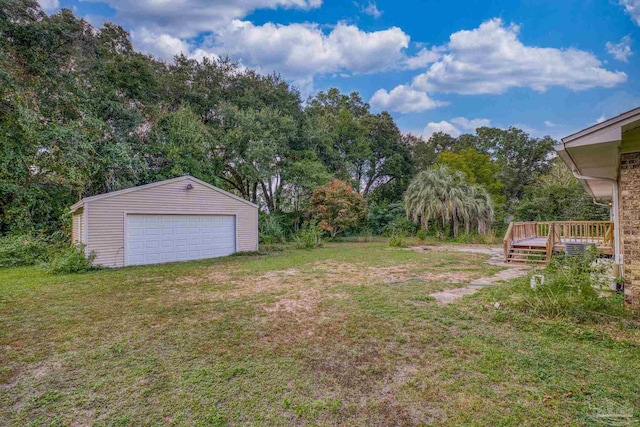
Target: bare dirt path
512 271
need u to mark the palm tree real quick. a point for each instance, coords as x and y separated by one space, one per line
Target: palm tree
444 195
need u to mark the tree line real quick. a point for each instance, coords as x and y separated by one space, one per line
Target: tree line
83 113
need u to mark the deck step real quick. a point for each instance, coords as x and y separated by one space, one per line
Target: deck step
527 255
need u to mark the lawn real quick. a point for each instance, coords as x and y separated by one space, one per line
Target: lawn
342 335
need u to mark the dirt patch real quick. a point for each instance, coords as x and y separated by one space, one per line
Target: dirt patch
403 273
306 301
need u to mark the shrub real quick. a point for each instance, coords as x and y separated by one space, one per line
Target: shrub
18 251
572 288
271 229
366 235
381 216
71 259
397 239
338 207
401 224
422 235
309 236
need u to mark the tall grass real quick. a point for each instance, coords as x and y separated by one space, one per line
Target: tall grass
575 287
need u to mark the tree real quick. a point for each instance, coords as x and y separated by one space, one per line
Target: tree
478 168
444 196
338 207
355 145
521 158
254 149
558 196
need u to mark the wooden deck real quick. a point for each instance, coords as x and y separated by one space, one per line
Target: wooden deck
527 242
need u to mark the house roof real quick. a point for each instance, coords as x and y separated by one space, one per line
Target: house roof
86 200
620 120
594 152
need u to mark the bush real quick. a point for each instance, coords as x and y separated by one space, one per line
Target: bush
18 251
309 236
422 235
71 259
489 238
271 229
397 239
573 287
380 216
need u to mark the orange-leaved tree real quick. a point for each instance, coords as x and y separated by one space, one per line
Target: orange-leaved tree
337 207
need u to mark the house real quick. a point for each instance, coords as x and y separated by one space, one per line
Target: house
178 219
606 160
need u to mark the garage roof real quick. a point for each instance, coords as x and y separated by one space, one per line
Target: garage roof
85 200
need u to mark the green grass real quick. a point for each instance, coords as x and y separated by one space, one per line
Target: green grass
334 336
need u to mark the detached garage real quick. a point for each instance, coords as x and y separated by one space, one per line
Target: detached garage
178 219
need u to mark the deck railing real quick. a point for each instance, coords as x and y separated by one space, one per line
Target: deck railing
558 233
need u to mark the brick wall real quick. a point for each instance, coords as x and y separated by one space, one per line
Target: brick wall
630 225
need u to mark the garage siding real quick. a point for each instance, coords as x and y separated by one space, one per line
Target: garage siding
106 216
77 226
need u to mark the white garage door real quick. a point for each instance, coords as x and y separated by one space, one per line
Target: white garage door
153 239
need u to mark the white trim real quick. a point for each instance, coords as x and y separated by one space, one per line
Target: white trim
147 212
77 205
85 240
626 117
125 224
86 200
235 225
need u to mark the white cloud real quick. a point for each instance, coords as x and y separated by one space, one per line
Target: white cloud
188 18
49 5
423 58
163 46
371 9
549 124
470 125
491 59
622 50
632 7
299 51
443 126
403 99
455 127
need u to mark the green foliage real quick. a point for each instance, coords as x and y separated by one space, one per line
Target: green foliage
83 113
402 225
364 149
271 229
445 197
478 168
574 286
422 235
22 250
558 196
338 207
516 159
382 215
71 259
309 236
397 239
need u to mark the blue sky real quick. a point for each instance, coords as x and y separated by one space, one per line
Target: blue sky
549 67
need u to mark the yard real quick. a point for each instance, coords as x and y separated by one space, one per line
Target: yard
342 335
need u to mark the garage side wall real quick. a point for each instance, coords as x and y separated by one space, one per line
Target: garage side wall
106 217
